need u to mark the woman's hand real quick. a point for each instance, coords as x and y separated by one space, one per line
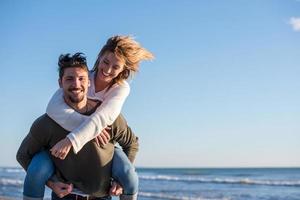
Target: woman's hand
115 189
103 138
61 149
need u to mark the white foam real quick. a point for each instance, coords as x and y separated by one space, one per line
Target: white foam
14 170
173 197
11 182
294 183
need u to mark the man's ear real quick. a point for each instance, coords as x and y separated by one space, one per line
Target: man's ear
60 83
89 83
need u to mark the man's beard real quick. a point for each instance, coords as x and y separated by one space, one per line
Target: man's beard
76 99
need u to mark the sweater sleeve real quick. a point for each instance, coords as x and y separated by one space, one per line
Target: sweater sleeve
63 114
104 116
122 134
36 140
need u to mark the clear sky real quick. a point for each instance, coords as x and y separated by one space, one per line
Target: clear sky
223 90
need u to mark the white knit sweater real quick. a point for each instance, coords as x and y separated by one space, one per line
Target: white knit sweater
85 128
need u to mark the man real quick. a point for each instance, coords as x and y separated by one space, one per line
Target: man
90 169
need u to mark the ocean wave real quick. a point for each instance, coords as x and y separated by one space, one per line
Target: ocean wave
10 182
13 170
175 197
245 181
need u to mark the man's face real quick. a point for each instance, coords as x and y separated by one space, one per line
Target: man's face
75 83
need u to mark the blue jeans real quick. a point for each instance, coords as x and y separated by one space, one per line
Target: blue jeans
124 172
41 169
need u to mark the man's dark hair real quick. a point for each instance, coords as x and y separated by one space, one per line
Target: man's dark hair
69 61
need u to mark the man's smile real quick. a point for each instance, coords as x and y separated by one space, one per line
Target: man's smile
76 90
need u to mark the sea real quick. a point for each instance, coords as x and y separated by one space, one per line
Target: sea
193 183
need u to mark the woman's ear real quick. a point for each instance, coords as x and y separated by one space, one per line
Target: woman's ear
125 73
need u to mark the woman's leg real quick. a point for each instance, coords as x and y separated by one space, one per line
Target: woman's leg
39 171
124 172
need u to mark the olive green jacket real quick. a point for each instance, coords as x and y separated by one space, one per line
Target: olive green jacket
90 169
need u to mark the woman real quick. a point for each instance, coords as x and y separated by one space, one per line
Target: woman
117 60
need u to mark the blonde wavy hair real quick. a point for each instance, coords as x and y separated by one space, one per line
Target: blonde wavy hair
126 48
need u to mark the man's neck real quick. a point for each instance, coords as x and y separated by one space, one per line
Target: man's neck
83 107
80 107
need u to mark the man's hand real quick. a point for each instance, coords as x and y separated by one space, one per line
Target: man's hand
116 189
60 189
62 148
103 138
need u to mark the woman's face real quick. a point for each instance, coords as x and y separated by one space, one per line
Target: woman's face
109 67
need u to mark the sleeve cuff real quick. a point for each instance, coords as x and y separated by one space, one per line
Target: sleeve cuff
71 137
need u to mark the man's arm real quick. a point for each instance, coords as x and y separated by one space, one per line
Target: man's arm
123 134
61 189
28 148
35 141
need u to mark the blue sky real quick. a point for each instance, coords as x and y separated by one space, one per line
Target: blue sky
223 90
